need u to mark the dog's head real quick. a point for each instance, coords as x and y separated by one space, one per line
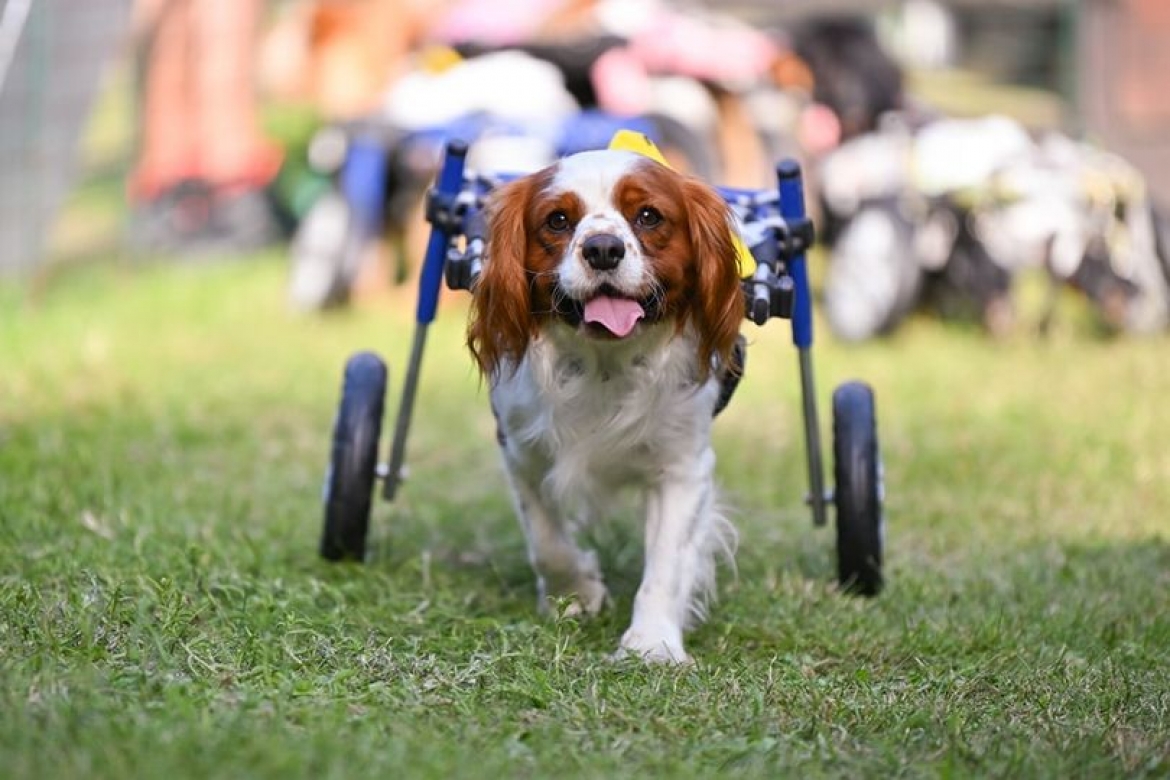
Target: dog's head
608 242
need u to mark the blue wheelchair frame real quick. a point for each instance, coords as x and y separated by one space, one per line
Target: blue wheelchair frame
777 231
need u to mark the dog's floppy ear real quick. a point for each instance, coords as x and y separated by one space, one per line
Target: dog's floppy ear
501 315
719 306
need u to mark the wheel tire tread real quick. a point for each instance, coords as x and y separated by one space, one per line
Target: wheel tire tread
353 459
858 490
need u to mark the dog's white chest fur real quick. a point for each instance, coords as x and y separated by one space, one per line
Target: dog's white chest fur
598 416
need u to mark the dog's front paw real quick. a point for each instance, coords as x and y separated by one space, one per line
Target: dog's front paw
653 648
587 599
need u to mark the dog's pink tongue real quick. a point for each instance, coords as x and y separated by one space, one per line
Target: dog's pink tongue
617 315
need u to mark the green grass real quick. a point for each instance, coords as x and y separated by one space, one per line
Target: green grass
163 612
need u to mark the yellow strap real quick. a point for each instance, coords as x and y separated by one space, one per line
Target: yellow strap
438 59
640 143
633 141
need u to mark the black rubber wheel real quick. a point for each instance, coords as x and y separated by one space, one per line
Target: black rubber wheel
349 484
859 492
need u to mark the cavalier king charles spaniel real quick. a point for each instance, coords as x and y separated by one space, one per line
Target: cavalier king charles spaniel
606 321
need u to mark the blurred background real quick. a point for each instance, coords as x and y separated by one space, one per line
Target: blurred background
952 147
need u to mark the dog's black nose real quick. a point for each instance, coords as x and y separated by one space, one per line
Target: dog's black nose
603 251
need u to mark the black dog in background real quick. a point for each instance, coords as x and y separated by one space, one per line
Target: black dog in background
853 75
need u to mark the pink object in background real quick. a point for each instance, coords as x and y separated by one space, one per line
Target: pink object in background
819 129
621 82
704 49
494 22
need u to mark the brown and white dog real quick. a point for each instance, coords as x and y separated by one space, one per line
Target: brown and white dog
605 319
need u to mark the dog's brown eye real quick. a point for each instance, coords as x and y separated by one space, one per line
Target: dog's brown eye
557 222
648 217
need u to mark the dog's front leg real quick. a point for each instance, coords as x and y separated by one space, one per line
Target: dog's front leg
563 569
680 524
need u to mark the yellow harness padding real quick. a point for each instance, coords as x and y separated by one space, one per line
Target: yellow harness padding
633 141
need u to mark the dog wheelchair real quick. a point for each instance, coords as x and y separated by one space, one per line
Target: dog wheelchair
777 231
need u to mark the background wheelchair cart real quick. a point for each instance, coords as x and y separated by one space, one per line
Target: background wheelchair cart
778 233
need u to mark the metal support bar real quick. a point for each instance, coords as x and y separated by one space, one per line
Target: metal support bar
792 209
812 438
447 188
394 473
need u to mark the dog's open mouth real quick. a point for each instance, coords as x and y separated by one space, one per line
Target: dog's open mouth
612 314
